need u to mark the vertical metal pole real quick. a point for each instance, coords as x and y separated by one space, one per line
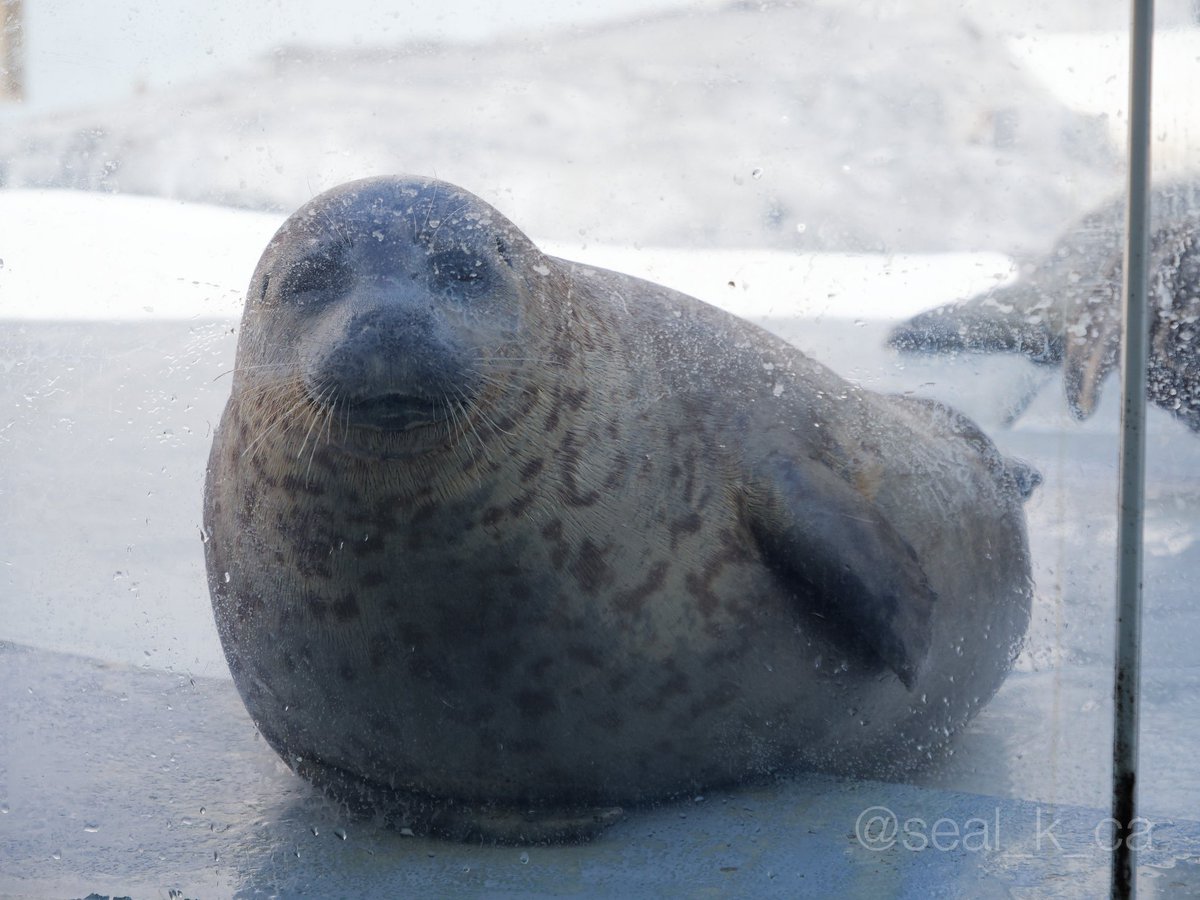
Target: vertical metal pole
1127 674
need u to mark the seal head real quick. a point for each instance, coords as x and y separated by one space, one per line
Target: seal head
396 289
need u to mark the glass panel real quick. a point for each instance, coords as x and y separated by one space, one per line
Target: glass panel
769 723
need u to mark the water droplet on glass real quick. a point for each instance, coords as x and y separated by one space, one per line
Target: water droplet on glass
314 830
524 859
757 173
227 578
340 832
57 854
91 829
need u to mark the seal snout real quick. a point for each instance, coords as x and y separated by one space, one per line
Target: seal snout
392 368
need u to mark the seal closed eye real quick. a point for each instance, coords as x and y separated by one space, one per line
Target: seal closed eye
499 543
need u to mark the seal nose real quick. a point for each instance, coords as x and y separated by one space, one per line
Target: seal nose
390 369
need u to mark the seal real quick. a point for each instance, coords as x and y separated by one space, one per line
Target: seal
1066 310
499 544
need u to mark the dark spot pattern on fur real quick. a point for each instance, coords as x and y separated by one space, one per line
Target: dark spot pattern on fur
683 526
575 398
675 685
298 484
634 599
532 468
345 609
699 586
381 649
521 504
569 456
590 567
559 549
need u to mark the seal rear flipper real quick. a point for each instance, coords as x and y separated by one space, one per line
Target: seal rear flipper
843 561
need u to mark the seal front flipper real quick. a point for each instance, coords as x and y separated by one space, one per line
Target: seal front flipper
842 561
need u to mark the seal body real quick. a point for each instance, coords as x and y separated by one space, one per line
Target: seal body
1066 309
495 529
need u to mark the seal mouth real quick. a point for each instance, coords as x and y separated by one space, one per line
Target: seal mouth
396 412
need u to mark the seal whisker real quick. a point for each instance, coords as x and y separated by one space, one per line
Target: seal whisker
255 393
331 403
446 218
468 408
429 210
458 436
489 420
329 419
273 424
493 380
315 410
